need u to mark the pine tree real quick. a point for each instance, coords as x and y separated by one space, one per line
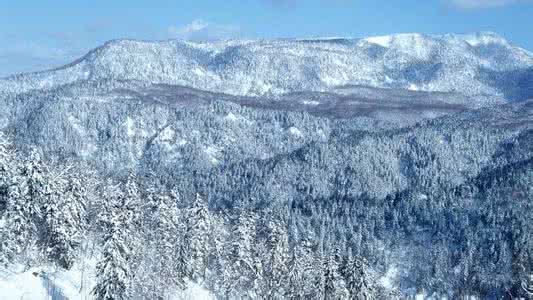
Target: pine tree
113 270
359 283
244 273
277 258
170 263
334 287
14 215
197 235
23 209
64 217
7 169
301 272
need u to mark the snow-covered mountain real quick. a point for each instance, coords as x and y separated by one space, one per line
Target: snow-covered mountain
395 149
473 64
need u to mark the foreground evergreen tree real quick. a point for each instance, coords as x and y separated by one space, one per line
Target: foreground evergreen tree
25 196
113 270
301 272
359 282
163 270
243 276
64 213
334 286
277 259
14 214
7 169
196 237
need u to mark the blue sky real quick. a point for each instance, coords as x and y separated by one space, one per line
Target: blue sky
36 35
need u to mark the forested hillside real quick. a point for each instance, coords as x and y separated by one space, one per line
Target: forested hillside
442 207
376 168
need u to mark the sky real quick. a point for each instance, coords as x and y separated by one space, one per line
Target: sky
37 35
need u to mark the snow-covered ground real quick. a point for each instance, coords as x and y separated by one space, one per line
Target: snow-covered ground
43 283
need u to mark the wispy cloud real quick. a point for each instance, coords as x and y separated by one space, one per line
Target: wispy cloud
475 4
202 30
194 26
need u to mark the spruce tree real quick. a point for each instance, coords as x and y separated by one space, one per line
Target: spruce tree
359 283
7 169
22 216
113 275
277 258
168 239
244 273
65 213
301 272
334 287
197 237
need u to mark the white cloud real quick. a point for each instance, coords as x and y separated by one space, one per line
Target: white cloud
202 30
194 26
473 4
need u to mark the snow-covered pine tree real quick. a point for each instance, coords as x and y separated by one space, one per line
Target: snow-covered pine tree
113 275
7 168
65 216
301 272
334 286
197 237
244 269
276 264
219 260
359 282
8 208
169 266
23 208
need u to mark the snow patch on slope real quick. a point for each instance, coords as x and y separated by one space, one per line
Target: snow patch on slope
311 102
130 127
231 117
482 38
76 284
295 131
383 41
213 153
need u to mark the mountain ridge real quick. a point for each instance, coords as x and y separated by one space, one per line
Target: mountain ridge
445 63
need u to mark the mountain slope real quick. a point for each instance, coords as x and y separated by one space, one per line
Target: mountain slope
467 64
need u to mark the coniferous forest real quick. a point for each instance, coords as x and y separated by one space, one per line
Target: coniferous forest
324 221
387 167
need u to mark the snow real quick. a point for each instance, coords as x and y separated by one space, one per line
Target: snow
130 129
21 286
230 117
212 153
422 197
167 134
295 131
387 281
41 282
88 149
482 38
194 292
76 124
383 41
311 102
413 87
304 66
